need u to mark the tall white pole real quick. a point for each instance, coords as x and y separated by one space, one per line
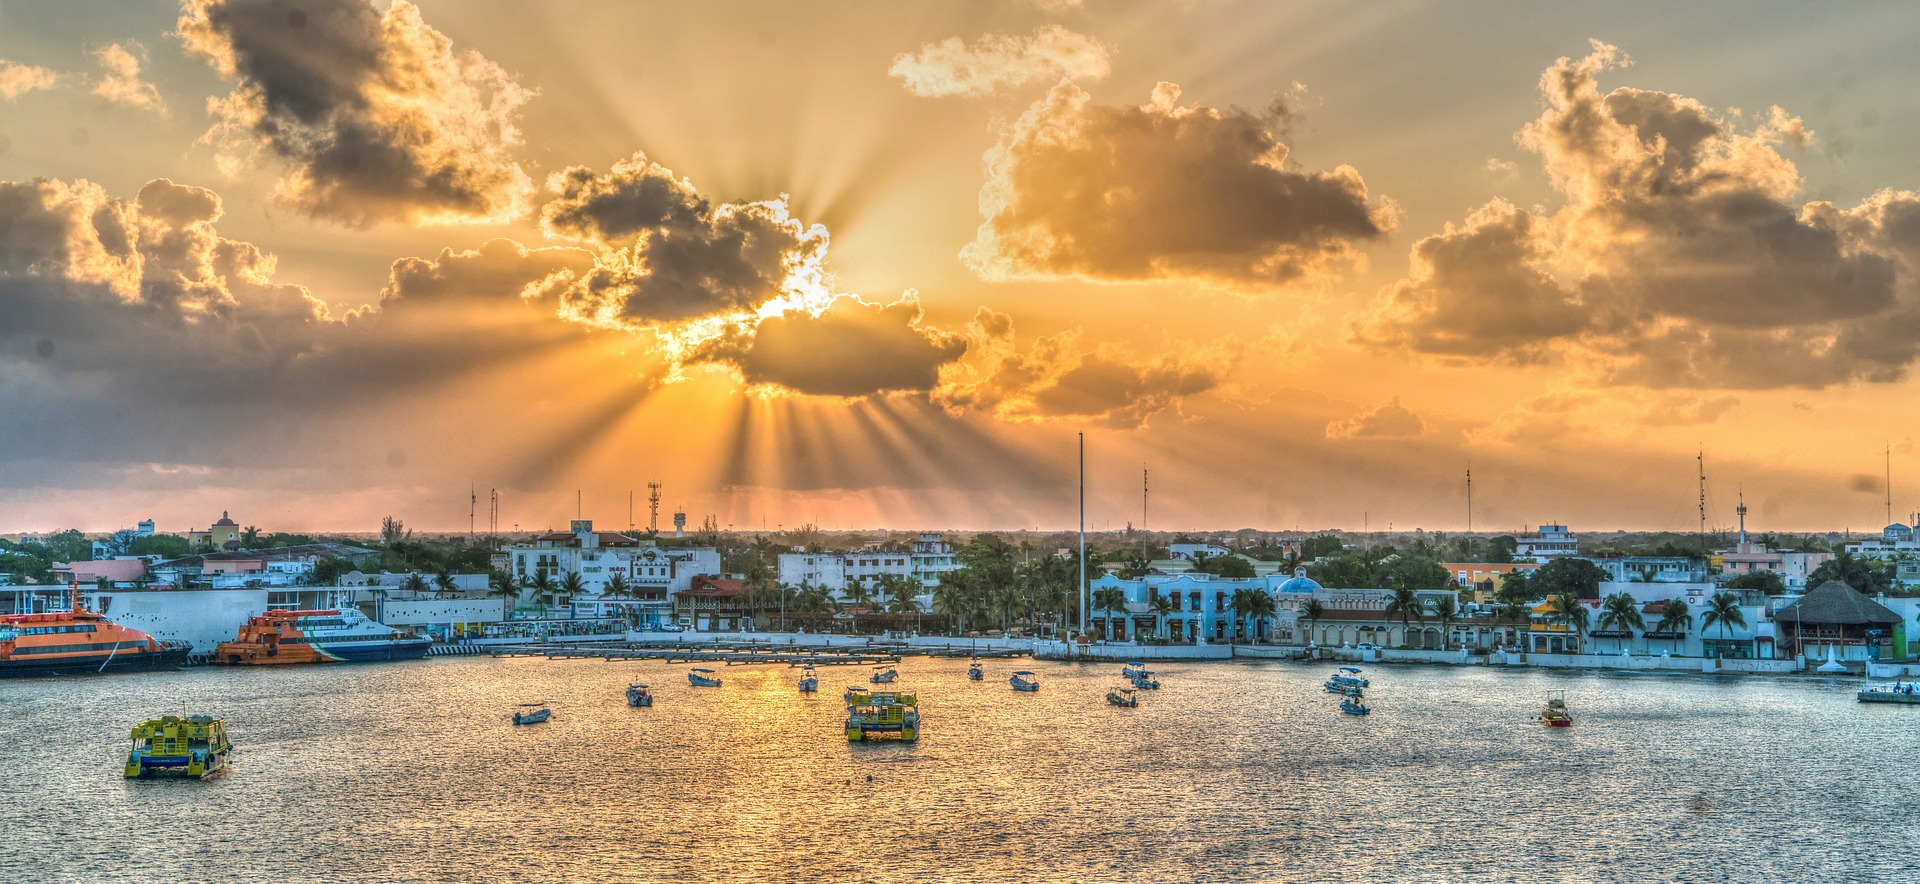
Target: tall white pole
1083 533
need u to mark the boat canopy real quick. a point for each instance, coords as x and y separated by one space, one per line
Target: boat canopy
698 669
542 703
1023 672
1349 669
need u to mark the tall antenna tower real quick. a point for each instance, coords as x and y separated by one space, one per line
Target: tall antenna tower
1143 509
473 506
629 510
1889 484
1469 497
653 507
493 512
1701 459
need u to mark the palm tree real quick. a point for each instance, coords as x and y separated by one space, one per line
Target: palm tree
1112 600
859 594
505 587
1620 612
443 584
1311 612
1675 617
1004 601
1406 605
1445 610
572 586
1161 606
415 584
1567 610
617 587
1259 607
810 602
1722 610
954 599
542 586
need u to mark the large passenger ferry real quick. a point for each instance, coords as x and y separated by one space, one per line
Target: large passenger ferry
79 641
327 636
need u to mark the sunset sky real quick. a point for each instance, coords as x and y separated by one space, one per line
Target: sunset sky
875 264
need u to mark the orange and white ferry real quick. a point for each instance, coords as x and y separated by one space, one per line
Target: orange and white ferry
78 641
321 636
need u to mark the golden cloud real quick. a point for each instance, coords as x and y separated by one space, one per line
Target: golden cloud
1000 61
1161 191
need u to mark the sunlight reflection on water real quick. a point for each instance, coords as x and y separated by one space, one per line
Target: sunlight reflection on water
411 772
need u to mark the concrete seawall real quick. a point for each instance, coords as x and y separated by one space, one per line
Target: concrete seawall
1049 650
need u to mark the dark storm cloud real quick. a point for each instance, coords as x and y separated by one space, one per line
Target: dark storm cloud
1160 191
375 114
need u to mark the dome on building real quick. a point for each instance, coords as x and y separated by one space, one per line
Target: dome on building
1897 531
1301 583
224 522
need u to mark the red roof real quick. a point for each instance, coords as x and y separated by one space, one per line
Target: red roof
715 587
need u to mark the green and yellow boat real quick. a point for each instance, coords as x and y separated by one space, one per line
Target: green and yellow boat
193 747
882 715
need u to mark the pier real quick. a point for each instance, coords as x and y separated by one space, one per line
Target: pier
743 653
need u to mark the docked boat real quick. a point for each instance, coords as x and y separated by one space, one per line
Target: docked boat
1145 681
1024 681
809 682
639 695
1353 706
319 636
974 671
1554 712
532 713
1122 697
1898 692
703 678
883 675
192 747
856 694
78 641
1134 669
883 715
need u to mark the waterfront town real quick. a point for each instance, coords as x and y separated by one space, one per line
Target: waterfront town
1550 597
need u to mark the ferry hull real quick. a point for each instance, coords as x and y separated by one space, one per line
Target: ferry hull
368 652
144 661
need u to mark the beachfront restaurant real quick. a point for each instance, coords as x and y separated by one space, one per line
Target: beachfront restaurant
1834 619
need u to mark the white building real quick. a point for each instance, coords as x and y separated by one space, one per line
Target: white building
929 557
1552 542
1652 569
1191 551
652 573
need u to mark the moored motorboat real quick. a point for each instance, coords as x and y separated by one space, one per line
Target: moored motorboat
702 678
883 675
1349 675
1134 669
532 713
1145 681
1350 690
1353 706
1024 681
1554 712
809 682
639 695
193 746
1122 697
856 694
79 642
974 671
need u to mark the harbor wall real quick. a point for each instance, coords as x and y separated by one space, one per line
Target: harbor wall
1642 664
440 612
1051 650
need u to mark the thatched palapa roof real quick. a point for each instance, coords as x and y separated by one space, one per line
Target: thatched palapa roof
1834 602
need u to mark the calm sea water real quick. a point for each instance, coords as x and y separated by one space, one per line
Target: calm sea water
411 772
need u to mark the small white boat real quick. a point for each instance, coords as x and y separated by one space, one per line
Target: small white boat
1024 681
1349 675
1352 706
638 695
1122 697
974 671
883 675
533 713
1134 669
703 678
809 683
1350 690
